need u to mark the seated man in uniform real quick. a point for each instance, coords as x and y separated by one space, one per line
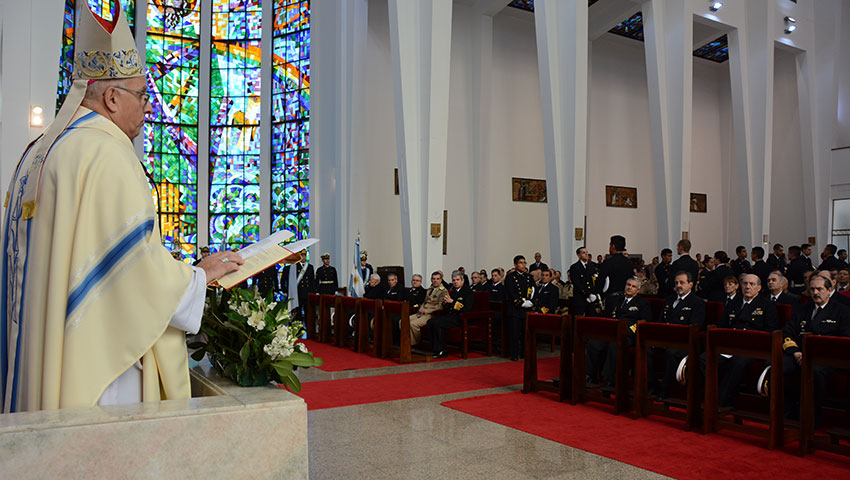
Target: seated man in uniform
777 285
683 308
433 302
546 297
821 316
395 292
633 308
456 301
416 294
373 291
753 312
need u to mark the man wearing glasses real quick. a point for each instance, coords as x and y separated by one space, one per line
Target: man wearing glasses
95 309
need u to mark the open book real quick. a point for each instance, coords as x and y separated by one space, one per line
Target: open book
264 254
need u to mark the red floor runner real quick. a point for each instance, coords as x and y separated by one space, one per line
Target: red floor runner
337 359
385 388
653 444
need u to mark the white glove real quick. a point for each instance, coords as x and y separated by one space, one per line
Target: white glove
592 298
527 304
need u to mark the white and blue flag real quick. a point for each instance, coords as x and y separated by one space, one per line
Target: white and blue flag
355 284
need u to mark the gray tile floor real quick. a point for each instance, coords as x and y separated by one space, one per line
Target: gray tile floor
419 438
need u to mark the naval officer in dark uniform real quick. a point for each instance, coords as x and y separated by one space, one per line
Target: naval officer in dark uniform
519 290
326 276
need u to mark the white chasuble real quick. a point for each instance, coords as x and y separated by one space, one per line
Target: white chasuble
89 289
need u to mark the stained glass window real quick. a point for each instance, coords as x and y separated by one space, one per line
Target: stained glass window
235 123
291 117
631 28
171 131
104 9
716 51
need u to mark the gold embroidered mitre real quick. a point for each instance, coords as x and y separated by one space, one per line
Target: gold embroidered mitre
104 49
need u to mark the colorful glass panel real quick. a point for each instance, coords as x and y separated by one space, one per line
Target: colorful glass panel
716 51
102 8
235 123
631 28
290 180
171 130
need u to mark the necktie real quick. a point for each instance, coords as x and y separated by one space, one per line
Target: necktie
676 303
817 312
773 299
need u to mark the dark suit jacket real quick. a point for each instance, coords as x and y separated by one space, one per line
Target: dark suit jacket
796 275
690 311
786 298
731 308
683 264
662 274
760 314
582 279
396 294
305 286
415 297
716 291
834 321
546 298
497 292
518 289
831 263
637 309
463 300
762 270
776 263
537 266
617 269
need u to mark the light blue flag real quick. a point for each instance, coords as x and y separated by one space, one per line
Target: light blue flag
355 284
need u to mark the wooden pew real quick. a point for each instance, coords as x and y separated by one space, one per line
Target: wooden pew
784 313
313 303
479 320
391 311
664 335
750 344
361 332
560 325
713 312
501 308
326 302
657 306
606 330
345 308
830 352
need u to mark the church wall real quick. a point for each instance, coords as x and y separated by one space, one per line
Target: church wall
619 146
516 146
787 213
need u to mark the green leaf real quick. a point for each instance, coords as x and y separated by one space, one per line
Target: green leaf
245 352
292 381
302 359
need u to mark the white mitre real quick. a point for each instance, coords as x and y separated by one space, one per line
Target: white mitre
103 50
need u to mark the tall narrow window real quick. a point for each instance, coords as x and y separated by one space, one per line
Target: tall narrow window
235 123
101 8
171 131
291 117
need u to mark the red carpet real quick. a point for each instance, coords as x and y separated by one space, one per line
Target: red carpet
337 359
385 388
652 444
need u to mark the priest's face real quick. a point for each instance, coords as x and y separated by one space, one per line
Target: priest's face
130 104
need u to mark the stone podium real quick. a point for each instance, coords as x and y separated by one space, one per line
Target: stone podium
224 431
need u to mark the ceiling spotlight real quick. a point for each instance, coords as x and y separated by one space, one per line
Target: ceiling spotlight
790 24
36 116
715 6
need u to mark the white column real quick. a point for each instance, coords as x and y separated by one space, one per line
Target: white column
751 59
562 56
668 30
420 44
338 36
481 103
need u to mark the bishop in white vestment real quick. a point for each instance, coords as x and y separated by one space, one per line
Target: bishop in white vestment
94 307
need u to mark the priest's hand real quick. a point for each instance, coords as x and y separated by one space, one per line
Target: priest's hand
219 264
